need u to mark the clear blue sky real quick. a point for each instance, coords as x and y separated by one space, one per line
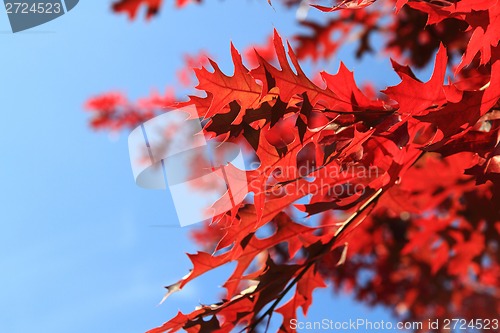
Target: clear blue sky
78 248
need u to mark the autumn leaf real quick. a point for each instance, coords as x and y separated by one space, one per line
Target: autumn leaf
131 7
414 97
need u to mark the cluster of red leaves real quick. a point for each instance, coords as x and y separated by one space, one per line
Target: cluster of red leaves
422 236
430 248
131 7
113 111
416 37
406 35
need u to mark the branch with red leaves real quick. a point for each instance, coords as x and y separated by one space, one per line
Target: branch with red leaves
405 185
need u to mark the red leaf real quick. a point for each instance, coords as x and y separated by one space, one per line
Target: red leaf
414 97
224 89
131 7
346 4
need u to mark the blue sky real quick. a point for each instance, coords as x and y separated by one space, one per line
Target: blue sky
80 250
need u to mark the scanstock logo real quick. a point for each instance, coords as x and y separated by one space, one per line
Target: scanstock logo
205 178
26 14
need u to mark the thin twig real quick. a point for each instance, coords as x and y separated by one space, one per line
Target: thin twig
312 261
